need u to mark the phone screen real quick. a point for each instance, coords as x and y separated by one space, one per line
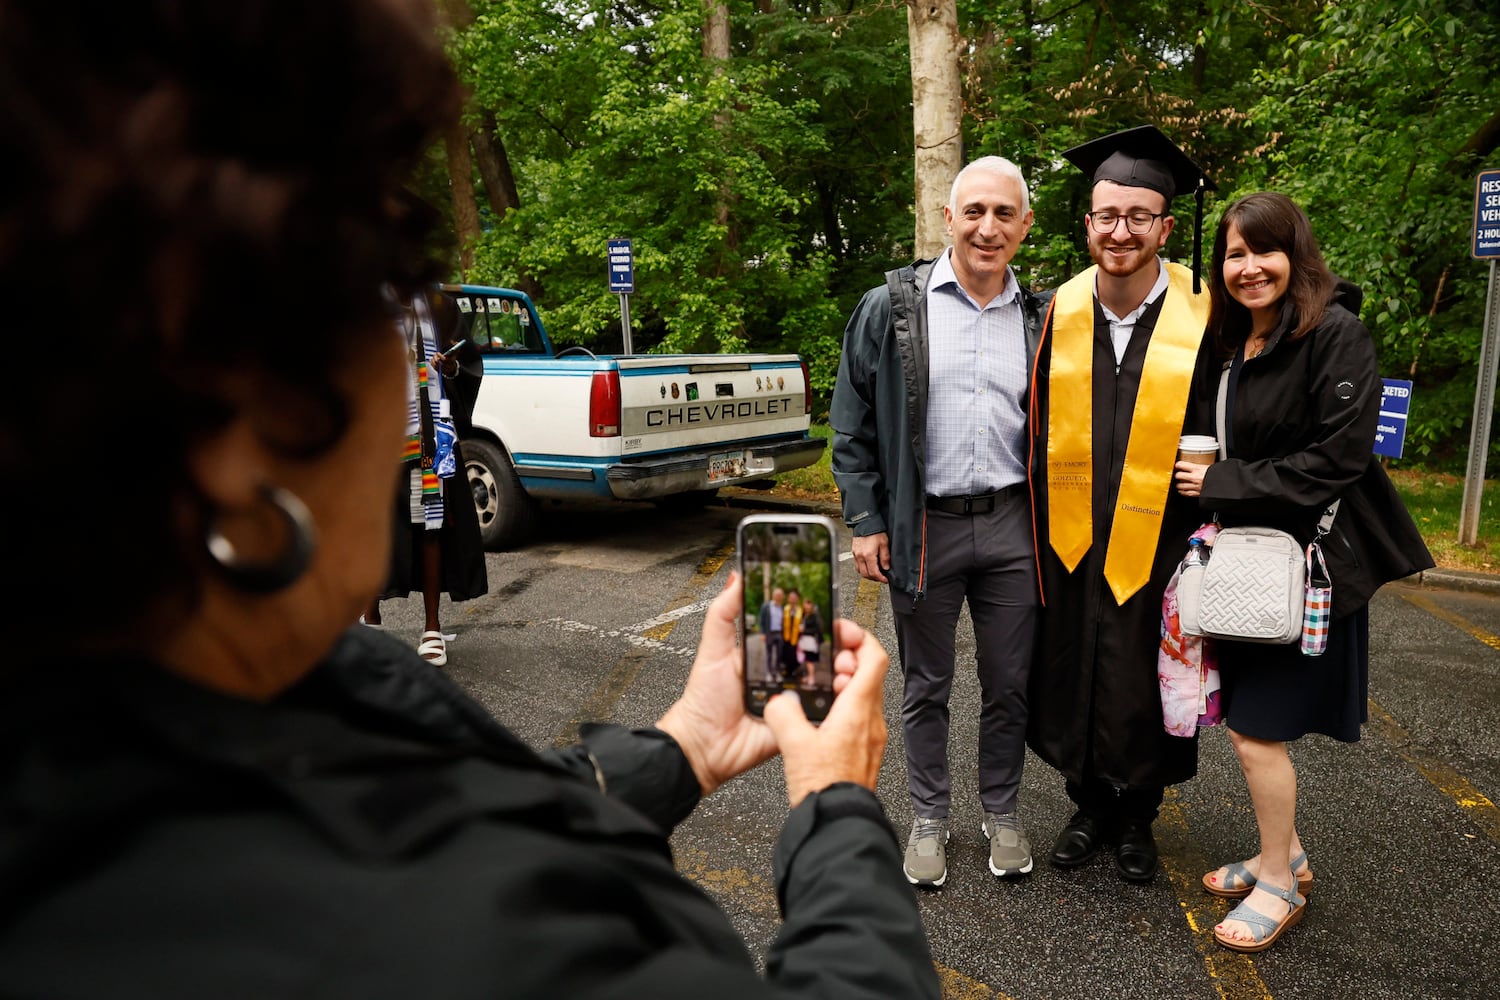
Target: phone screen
790 568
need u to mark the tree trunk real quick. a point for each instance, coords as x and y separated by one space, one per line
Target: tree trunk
716 55
716 31
494 166
937 109
461 184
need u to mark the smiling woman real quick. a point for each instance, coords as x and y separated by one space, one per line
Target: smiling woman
1300 392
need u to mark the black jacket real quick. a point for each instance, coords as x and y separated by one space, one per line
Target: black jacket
879 415
374 833
1301 434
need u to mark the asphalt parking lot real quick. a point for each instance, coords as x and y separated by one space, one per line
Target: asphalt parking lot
597 618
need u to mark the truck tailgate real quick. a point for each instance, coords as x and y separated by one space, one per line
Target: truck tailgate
690 401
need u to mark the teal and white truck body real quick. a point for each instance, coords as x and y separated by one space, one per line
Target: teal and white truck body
571 424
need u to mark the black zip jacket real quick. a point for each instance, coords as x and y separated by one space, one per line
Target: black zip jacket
879 415
375 833
1301 434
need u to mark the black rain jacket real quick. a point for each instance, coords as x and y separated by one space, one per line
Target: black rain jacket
879 415
1301 434
375 833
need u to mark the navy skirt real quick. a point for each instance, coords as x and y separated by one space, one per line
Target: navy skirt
1277 693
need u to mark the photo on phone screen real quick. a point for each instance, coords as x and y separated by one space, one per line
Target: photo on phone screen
789 563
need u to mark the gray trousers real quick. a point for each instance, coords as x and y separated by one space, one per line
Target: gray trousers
988 560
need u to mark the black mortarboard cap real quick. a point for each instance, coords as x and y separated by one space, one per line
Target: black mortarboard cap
1145 157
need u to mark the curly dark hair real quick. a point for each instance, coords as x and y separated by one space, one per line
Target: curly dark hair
1268 221
190 191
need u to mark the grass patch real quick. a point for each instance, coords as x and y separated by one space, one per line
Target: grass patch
1434 499
813 481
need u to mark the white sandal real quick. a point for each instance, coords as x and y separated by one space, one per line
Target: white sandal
433 648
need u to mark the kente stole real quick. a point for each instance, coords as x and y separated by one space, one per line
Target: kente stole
1155 426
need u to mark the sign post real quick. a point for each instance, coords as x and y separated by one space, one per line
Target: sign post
1486 247
622 280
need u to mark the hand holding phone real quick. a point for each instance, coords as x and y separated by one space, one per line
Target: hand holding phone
790 568
850 743
709 722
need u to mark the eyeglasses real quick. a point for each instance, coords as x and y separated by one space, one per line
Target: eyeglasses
1136 223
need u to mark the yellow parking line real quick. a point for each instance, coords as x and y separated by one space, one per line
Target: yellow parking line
957 986
1232 974
1475 804
867 603
1456 620
743 891
1444 778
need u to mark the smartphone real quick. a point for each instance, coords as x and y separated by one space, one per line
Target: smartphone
789 563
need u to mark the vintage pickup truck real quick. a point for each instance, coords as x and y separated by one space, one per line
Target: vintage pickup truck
573 425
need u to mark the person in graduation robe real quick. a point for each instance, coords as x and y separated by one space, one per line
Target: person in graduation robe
1110 395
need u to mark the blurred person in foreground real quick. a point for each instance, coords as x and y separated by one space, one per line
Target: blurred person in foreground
214 784
1303 398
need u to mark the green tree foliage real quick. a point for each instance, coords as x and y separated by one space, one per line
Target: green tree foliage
1376 121
766 192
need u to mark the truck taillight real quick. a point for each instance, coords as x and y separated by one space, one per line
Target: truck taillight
806 388
604 405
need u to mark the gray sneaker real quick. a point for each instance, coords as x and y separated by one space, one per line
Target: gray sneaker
1010 851
926 859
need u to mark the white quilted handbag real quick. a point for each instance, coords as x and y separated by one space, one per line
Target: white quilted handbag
1252 589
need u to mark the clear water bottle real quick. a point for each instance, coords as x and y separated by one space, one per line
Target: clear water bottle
1197 553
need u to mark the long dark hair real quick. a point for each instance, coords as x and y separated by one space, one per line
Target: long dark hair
169 226
1269 221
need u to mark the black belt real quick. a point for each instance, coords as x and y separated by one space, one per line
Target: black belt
977 503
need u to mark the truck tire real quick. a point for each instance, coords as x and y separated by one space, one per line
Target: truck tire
505 511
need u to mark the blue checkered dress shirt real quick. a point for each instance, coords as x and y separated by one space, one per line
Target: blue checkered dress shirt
976 387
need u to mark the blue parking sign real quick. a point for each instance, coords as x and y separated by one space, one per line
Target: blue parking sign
621 267
1395 406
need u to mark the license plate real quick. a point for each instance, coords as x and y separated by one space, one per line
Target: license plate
726 465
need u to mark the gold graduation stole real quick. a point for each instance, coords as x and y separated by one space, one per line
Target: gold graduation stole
1155 427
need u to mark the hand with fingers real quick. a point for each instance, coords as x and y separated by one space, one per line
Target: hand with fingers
850 742
709 722
872 556
1188 477
721 740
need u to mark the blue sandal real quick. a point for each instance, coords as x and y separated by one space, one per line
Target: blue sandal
1265 930
1238 882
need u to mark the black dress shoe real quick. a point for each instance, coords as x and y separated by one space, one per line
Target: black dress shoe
1079 841
1136 856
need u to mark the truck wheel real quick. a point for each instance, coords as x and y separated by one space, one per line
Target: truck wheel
504 508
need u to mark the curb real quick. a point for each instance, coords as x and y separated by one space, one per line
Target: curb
1457 579
762 500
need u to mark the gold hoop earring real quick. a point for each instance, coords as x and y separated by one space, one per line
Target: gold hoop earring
280 572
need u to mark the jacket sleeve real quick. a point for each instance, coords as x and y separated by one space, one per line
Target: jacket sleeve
1344 395
856 456
851 928
644 768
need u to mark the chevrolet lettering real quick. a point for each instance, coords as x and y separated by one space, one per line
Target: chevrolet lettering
704 413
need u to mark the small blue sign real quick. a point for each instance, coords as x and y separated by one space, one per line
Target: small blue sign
1395 405
621 267
1487 215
